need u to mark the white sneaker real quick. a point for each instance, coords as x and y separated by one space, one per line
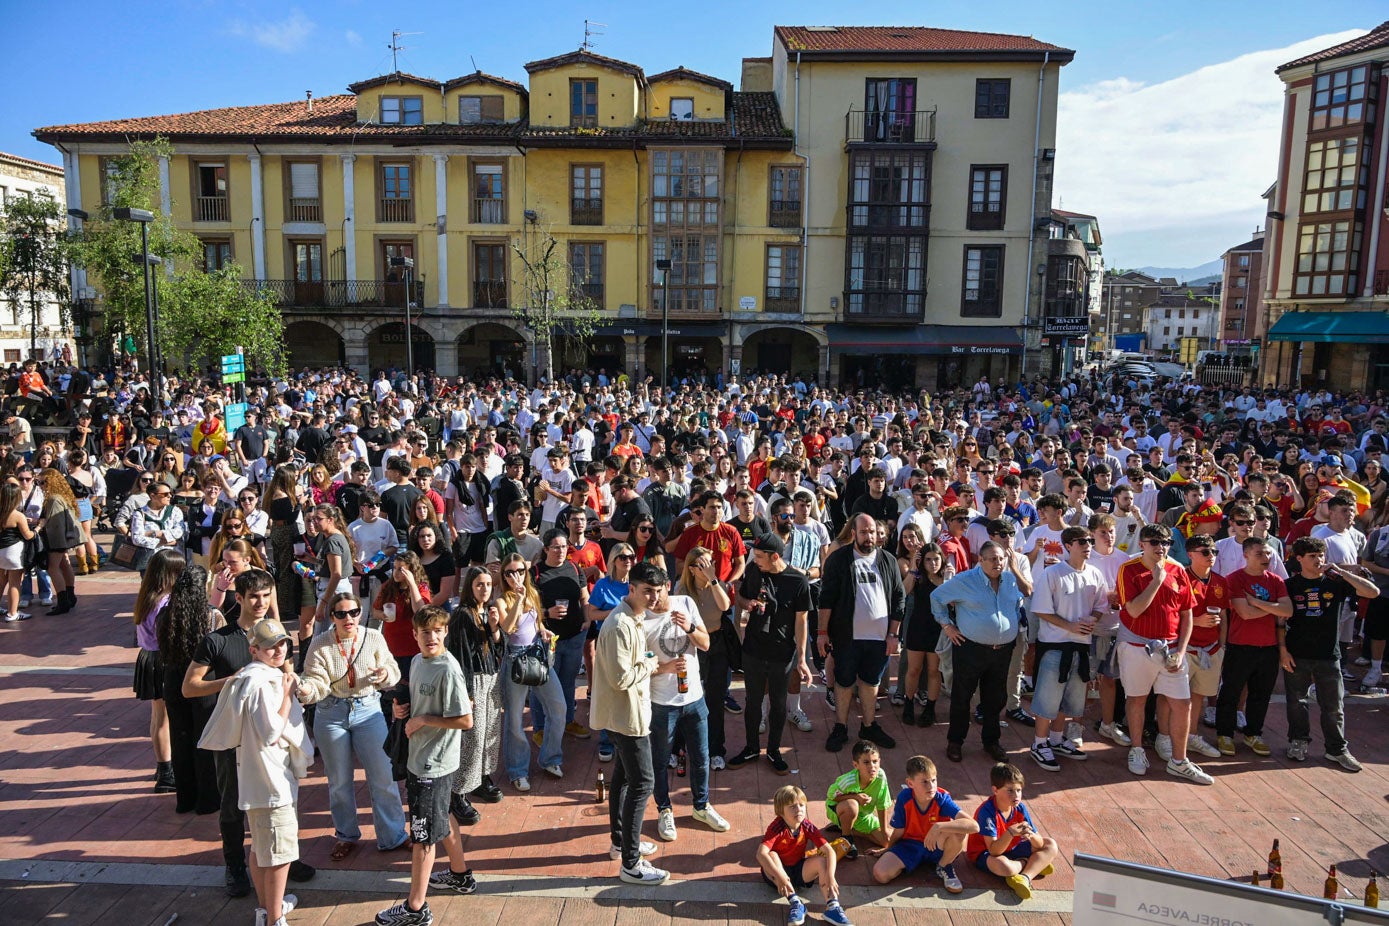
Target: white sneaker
671 761
1163 747
521 784
1111 731
762 727
1190 771
1372 678
801 721
1138 760
1075 732
645 848
286 906
1208 716
26 601
1201 746
644 873
717 764
711 818
554 771
665 825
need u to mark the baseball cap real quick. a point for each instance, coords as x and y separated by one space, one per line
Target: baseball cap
1330 459
770 543
267 633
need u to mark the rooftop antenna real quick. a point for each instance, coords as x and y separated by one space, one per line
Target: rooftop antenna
476 69
396 48
591 29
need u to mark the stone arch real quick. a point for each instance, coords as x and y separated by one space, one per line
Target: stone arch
386 347
315 343
493 348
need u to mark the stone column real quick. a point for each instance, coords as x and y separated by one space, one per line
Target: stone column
441 206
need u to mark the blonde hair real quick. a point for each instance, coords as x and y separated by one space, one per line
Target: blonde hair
529 598
787 795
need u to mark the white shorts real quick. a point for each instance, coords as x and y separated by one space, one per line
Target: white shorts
1142 673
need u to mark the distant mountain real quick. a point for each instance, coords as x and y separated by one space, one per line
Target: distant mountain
1187 274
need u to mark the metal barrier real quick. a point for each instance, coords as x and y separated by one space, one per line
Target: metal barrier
1224 375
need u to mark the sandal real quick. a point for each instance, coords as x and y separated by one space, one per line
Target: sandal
341 850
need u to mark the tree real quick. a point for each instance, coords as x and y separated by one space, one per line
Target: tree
554 295
201 314
33 258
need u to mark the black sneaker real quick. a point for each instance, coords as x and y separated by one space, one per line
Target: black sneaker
876 734
908 714
838 739
459 882
927 716
749 754
299 872
487 792
731 706
402 915
778 763
238 882
463 811
1021 716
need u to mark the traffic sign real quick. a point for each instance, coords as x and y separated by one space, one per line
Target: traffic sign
233 363
229 378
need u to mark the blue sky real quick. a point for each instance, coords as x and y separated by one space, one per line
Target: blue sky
83 61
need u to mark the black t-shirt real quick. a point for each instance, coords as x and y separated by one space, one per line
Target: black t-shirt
225 651
396 504
442 568
252 439
751 530
311 442
379 436
1313 630
561 582
627 514
772 634
1101 500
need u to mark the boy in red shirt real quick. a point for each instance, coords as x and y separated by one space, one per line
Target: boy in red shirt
1008 843
1205 651
1258 599
782 857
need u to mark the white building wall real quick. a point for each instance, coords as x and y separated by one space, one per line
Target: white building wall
25 177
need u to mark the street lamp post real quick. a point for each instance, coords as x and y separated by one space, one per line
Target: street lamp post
144 217
408 263
664 267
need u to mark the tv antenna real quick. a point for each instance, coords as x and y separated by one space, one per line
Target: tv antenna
591 29
396 48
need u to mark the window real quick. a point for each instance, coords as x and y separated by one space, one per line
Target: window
1181 330
886 276
1128 316
988 191
1239 305
481 110
109 172
393 290
304 204
889 189
307 262
586 272
991 98
694 271
685 205
1241 282
12 356
983 285
586 194
1065 287
1128 302
1338 98
1337 176
784 207
396 202
681 109
1168 314
217 254
210 202
1244 261
489 276
583 103
402 110
1181 313
1166 331
889 109
1328 258
783 278
489 203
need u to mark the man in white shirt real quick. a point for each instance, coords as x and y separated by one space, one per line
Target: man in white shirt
1345 547
1229 552
556 483
371 534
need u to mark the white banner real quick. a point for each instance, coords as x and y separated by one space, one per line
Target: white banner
1109 891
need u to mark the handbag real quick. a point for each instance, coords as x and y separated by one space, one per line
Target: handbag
397 747
531 666
33 550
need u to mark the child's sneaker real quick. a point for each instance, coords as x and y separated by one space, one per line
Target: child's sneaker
460 882
834 913
402 915
1021 885
952 881
795 913
644 873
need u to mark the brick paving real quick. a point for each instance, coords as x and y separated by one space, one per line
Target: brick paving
76 787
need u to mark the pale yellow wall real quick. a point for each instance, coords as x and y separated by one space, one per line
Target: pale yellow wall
513 106
709 102
745 218
369 101
618 99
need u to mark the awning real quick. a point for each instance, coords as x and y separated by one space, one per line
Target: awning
1332 327
648 329
937 340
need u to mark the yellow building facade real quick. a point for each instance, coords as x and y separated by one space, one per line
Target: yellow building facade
816 221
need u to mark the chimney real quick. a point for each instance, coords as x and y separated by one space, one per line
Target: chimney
308 95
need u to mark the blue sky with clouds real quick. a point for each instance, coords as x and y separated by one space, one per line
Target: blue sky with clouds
1168 113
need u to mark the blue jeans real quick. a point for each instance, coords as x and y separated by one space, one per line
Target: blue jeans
45 584
516 749
347 727
693 721
1052 696
566 660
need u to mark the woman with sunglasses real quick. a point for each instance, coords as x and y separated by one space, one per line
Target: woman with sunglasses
166 469
519 604
607 593
346 668
646 541
236 557
233 528
475 640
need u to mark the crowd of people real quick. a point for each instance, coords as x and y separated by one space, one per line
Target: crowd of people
1136 562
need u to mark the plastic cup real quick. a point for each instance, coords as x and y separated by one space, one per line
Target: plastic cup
389 611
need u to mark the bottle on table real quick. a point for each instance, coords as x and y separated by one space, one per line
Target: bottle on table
1275 868
1372 890
602 789
1332 887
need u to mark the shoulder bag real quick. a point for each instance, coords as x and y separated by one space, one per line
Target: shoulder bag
531 666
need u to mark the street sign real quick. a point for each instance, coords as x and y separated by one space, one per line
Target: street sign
236 414
747 304
233 363
230 378
1067 327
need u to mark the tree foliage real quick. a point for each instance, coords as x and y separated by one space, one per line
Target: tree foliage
33 258
553 299
202 314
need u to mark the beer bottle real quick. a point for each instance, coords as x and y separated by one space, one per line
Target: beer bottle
602 788
1254 878
1275 868
1372 890
682 679
1332 887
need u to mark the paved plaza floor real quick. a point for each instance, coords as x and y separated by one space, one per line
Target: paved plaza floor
83 838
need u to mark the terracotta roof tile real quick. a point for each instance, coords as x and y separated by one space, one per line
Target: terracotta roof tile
1378 37
684 73
396 77
30 163
901 40
478 77
583 56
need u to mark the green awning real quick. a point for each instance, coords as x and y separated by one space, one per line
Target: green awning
1333 327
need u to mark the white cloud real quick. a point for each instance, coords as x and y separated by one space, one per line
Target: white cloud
287 35
352 38
1157 162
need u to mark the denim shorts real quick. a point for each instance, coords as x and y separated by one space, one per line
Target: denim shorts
429 807
1052 696
864 661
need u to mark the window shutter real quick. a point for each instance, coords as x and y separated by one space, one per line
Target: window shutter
469 110
492 109
303 181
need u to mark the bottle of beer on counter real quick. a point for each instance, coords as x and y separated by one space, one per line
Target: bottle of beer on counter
602 789
1332 887
1372 890
1254 878
1275 868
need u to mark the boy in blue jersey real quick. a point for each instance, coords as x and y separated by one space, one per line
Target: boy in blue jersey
1007 843
928 827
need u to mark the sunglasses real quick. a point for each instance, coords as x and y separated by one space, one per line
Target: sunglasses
644 530
1159 543
235 524
354 612
514 572
626 556
1201 550
1086 541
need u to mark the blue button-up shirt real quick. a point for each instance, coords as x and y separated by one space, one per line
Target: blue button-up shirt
982 614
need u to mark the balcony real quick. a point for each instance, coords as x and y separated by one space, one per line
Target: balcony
304 210
211 209
785 213
686 301
394 209
872 127
884 305
489 210
489 294
338 294
586 212
783 299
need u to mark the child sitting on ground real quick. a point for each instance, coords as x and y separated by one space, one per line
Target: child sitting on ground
928 827
782 858
858 800
1007 843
